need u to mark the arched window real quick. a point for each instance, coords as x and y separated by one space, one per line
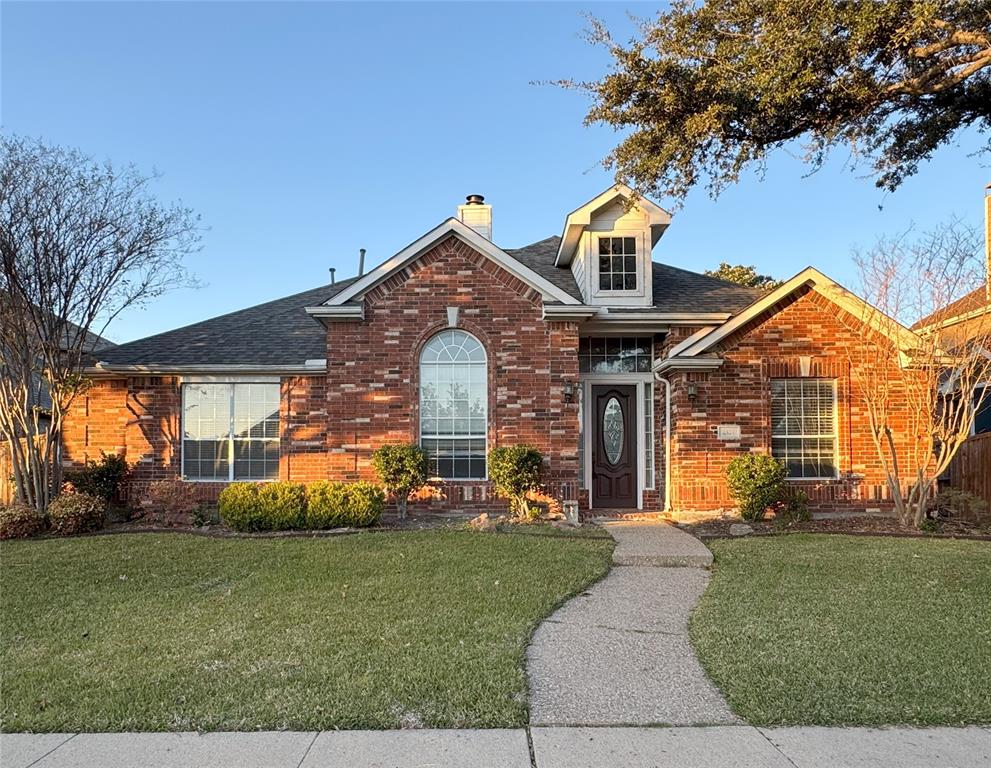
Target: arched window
454 405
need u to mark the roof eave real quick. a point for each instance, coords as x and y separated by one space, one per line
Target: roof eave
108 370
581 217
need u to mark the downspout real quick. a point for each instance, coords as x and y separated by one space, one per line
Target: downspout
667 440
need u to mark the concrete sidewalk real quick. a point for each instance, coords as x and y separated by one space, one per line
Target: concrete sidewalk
738 746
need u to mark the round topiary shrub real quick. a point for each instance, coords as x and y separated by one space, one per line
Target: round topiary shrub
757 482
515 471
73 513
402 469
240 509
19 521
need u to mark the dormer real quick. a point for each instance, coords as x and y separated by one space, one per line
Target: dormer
607 243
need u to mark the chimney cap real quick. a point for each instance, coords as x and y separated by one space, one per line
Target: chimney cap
475 200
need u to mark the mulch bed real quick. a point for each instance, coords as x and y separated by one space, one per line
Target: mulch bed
852 526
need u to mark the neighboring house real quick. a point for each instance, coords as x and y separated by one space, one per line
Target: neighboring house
638 381
959 323
968 320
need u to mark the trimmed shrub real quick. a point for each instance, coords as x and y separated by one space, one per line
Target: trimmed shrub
171 502
341 505
240 508
105 479
73 513
515 471
793 506
283 505
19 521
952 502
402 469
756 481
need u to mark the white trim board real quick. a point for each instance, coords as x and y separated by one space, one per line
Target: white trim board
637 380
581 217
417 248
899 334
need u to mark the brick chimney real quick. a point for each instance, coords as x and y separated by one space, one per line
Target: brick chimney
477 215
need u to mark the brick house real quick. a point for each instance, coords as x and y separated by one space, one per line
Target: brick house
638 381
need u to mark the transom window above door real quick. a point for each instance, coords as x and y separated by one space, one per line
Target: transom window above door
617 263
615 354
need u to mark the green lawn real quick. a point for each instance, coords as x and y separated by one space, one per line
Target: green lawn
174 632
836 630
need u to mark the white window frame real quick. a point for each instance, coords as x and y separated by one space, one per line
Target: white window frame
649 442
835 433
485 402
183 383
638 238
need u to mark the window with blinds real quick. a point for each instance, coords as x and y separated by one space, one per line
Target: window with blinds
803 426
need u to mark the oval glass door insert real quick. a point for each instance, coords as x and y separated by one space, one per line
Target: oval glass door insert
613 430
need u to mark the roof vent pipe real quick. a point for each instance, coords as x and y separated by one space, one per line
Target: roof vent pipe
332 271
361 262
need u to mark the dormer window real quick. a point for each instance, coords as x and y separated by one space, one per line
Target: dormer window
617 263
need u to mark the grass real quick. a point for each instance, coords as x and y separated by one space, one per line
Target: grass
173 632
838 630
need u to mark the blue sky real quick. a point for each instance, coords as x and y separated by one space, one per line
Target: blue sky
301 132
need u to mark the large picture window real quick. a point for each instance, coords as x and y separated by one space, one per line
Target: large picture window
230 431
803 426
454 405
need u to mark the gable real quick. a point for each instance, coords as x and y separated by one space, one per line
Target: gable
776 300
454 274
452 227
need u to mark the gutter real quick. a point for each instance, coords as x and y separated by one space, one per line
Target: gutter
309 367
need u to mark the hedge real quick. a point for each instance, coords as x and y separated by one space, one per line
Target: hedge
284 506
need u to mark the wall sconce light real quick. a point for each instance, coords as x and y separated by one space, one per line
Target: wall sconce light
569 392
693 390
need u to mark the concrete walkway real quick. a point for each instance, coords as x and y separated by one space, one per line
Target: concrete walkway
714 747
619 653
656 543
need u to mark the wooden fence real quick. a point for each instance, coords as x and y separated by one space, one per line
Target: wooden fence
970 469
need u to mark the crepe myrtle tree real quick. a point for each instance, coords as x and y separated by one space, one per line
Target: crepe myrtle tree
920 388
709 89
80 242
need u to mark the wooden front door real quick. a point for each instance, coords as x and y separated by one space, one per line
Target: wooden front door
614 460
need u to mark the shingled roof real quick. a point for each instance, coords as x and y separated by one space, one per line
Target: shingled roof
973 301
277 333
280 334
675 290
540 257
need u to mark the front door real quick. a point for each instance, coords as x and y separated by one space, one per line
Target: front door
614 460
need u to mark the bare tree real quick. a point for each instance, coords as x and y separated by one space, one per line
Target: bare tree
919 388
80 242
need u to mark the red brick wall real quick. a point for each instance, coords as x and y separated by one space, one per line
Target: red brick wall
739 393
330 426
139 417
372 379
